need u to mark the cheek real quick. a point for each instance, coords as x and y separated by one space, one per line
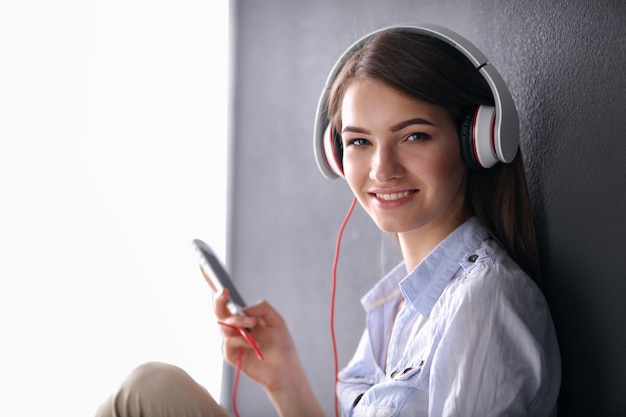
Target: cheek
446 165
355 173
350 171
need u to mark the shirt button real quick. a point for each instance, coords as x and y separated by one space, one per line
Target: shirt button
472 258
394 373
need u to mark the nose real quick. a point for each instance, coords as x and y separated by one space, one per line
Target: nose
386 164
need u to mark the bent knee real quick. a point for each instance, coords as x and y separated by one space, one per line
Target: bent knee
149 370
157 375
160 389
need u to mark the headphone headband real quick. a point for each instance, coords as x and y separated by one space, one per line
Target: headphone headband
502 144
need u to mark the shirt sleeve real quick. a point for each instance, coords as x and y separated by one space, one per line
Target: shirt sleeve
357 377
490 359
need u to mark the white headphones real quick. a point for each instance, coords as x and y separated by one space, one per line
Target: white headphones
488 135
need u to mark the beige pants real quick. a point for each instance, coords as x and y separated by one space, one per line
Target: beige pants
157 389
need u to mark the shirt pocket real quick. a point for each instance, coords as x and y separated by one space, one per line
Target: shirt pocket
389 397
407 373
413 375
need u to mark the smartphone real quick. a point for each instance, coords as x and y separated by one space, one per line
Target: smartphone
217 276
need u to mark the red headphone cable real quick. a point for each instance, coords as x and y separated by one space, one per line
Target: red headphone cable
236 383
332 302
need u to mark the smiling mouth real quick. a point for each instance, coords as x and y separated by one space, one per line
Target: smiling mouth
393 196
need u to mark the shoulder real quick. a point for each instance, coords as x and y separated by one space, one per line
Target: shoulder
491 268
489 282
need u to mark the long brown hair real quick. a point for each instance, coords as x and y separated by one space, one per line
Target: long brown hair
429 69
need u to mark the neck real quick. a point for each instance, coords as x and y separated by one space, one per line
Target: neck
416 244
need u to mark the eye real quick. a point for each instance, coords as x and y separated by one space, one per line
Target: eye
418 136
358 142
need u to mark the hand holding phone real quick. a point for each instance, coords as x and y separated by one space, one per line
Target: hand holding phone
217 277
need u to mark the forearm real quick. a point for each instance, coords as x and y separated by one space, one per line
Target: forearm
295 397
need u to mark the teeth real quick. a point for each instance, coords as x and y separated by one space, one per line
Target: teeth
393 196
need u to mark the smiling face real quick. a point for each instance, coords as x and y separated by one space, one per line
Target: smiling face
402 160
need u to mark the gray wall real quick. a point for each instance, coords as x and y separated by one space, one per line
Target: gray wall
565 64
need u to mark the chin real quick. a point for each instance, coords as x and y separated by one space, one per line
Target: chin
390 228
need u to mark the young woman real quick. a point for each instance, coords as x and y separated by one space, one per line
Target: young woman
460 327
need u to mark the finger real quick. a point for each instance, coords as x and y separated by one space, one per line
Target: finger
264 313
227 329
246 334
260 309
238 322
233 343
219 305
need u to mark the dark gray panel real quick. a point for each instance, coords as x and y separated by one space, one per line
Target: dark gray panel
565 63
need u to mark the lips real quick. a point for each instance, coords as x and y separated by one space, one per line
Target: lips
393 196
394 199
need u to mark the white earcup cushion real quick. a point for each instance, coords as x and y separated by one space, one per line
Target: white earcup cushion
483 136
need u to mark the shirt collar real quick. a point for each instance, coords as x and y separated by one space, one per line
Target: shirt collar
423 286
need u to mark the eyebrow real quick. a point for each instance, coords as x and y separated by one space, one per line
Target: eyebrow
394 128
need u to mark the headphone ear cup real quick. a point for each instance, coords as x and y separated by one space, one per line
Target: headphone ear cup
466 141
338 148
333 150
476 136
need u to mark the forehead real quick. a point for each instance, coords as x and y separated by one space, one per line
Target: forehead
368 101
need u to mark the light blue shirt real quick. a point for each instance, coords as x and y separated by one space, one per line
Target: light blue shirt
474 338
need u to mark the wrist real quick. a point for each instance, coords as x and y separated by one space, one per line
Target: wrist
294 396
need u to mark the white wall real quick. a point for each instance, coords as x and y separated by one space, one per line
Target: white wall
112 159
